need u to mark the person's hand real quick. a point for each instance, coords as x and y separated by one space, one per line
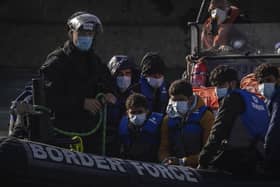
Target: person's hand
175 161
110 98
23 108
171 161
190 59
204 167
92 105
225 48
212 51
199 167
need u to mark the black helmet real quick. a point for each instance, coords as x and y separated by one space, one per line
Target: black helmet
87 20
119 62
152 63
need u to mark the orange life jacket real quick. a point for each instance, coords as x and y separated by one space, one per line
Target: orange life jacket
208 39
250 84
208 95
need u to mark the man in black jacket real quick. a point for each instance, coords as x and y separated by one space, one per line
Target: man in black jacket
267 76
236 138
74 76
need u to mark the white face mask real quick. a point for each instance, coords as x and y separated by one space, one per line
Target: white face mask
123 82
219 14
138 119
267 89
221 92
155 83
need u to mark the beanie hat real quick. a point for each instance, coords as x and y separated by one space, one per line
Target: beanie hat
152 63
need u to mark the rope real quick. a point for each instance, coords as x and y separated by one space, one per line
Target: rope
99 123
104 131
78 135
42 108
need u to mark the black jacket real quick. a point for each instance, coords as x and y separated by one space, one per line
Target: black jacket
272 143
70 77
228 126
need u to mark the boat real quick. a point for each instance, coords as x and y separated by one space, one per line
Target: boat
30 163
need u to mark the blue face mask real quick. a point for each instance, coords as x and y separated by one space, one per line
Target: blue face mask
123 82
267 89
84 43
221 92
155 82
182 107
177 108
138 119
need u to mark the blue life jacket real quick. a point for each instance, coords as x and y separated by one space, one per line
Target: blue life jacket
185 136
147 90
255 118
115 112
149 131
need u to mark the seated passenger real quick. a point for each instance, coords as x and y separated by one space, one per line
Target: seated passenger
268 79
186 126
126 75
235 143
152 83
139 131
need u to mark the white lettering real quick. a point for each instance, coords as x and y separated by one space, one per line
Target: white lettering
54 154
188 174
101 162
174 171
137 166
116 164
151 170
85 160
258 107
70 156
38 151
164 171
